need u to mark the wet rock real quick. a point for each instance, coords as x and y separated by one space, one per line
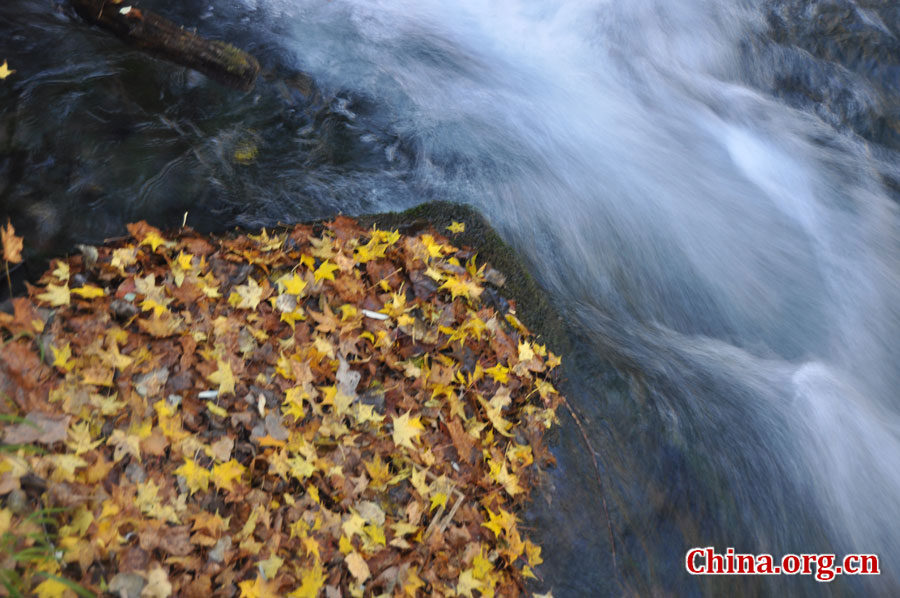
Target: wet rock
841 60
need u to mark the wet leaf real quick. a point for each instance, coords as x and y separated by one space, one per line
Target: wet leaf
406 429
456 227
56 295
12 245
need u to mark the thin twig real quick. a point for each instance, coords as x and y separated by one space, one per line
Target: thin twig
584 436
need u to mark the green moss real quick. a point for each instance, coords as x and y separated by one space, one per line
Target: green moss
533 307
236 60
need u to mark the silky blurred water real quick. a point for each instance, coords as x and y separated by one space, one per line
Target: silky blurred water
726 254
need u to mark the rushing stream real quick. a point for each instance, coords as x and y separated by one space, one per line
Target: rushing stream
709 196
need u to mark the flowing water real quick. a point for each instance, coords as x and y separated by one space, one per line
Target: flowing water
721 234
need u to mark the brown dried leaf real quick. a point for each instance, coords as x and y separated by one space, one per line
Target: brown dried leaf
43 428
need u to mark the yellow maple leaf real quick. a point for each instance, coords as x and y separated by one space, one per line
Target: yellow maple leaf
526 353
61 271
126 444
494 411
158 304
292 317
417 479
533 552
456 227
379 471
325 271
311 581
151 504
366 413
65 467
553 360
154 240
434 248
224 474
496 522
300 467
12 245
224 377
258 588
196 477
215 409
412 584
89 291
210 286
438 499
467 583
249 295
184 260
56 295
293 403
292 285
375 534
122 257
50 587
5 72
80 438
481 566
501 474
499 372
406 429
462 287
62 358
270 566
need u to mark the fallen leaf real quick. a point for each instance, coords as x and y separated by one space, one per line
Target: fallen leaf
196 477
225 473
325 271
357 566
12 245
89 291
311 581
5 71
158 585
406 429
56 295
224 377
258 588
49 588
467 583
43 428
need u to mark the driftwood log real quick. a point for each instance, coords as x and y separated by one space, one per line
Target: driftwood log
152 33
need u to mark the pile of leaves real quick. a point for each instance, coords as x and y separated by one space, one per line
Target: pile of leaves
322 411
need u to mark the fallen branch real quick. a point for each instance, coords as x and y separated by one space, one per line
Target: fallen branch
152 33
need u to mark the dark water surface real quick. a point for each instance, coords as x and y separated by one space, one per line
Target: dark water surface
708 190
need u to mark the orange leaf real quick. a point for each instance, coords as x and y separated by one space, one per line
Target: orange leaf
12 245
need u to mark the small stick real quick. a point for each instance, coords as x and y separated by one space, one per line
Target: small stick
584 436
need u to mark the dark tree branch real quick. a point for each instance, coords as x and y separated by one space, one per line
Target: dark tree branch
152 33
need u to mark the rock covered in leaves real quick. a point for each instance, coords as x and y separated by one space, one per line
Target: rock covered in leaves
322 411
